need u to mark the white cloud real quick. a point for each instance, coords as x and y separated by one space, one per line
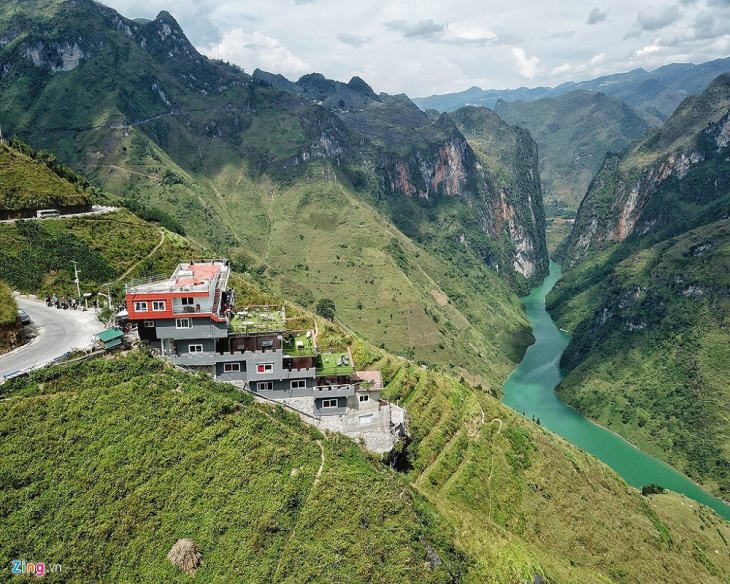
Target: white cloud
422 48
252 50
527 67
653 48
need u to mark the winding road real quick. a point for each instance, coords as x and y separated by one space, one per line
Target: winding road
57 331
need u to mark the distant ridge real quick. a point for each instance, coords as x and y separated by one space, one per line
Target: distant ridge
657 92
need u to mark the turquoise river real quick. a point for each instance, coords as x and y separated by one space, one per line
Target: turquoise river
529 390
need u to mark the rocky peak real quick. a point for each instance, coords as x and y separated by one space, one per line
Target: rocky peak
674 179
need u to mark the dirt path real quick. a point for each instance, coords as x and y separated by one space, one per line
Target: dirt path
162 240
277 572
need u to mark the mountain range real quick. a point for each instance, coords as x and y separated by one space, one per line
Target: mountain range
656 92
371 202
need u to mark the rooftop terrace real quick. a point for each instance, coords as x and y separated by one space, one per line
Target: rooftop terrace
333 364
193 276
258 319
299 344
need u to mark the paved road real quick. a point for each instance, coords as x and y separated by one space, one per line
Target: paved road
57 331
95 210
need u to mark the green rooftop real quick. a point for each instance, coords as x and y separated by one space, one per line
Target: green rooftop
332 364
111 337
258 319
300 344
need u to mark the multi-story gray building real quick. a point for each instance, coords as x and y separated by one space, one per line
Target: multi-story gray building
191 320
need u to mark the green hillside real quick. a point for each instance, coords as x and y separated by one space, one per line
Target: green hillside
266 498
522 500
36 256
9 325
645 293
649 353
141 455
29 182
494 501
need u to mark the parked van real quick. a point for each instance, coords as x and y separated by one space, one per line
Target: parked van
46 213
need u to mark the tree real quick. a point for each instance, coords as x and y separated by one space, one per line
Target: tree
652 489
326 308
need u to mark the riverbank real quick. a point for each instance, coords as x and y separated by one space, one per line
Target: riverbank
530 390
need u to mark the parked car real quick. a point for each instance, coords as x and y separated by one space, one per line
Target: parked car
24 316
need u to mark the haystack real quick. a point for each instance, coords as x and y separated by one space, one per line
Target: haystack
185 555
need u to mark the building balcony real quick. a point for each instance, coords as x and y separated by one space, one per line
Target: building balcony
326 391
192 359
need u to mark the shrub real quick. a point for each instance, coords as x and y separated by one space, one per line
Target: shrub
652 489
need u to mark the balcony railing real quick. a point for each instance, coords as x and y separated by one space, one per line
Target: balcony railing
347 390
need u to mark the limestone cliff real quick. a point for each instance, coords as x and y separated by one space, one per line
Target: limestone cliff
674 179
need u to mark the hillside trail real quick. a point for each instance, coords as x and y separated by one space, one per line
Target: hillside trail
301 512
162 240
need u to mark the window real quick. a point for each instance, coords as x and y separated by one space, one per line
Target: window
366 419
183 323
265 368
231 367
149 324
329 403
298 383
195 348
158 305
364 398
265 386
189 301
140 306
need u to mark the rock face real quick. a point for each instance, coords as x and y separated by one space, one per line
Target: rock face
674 179
645 292
418 167
428 159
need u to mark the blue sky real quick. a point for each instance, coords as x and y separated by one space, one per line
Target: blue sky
423 47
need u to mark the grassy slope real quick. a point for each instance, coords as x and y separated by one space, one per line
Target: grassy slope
8 308
35 256
663 385
187 459
25 184
141 455
108 493
9 324
522 500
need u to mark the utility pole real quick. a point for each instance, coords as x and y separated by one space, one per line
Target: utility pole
76 279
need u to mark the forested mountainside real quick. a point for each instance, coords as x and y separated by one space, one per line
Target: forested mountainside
646 292
574 132
142 454
370 203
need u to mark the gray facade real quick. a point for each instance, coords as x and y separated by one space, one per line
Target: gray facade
200 328
283 389
323 406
